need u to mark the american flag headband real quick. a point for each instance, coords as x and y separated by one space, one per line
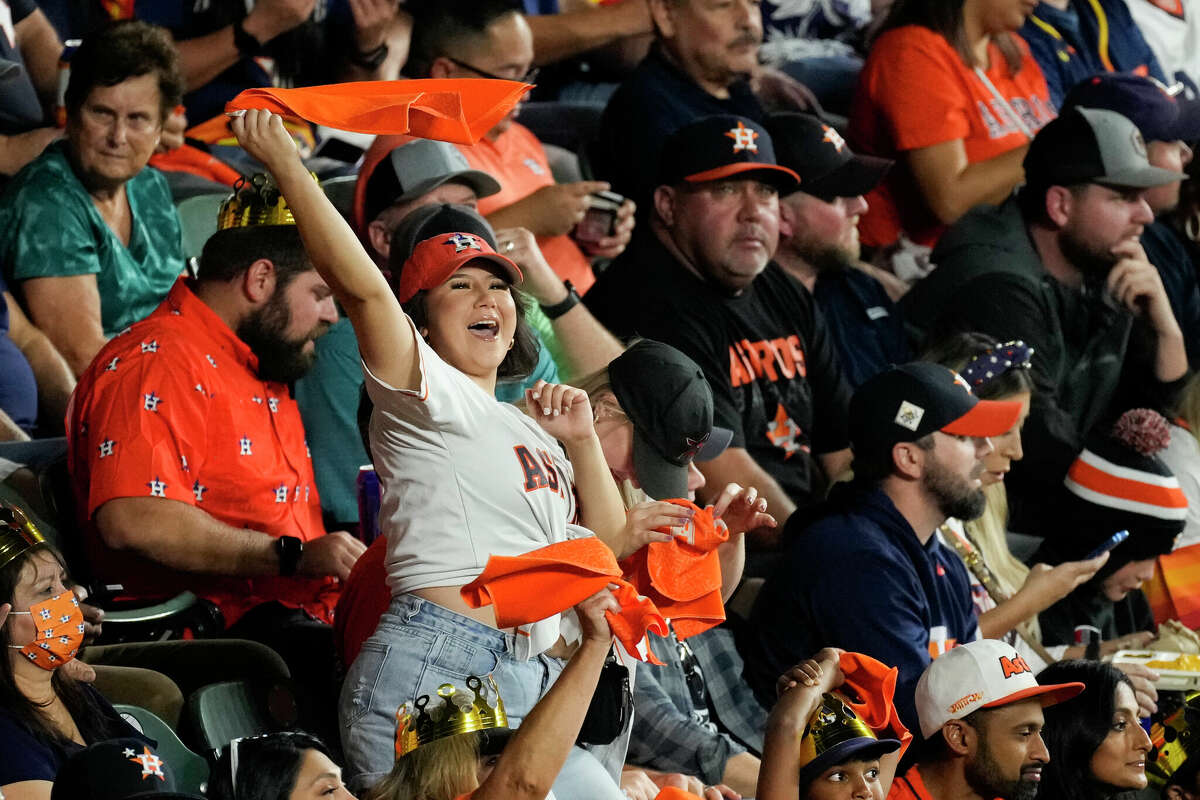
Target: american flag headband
995 361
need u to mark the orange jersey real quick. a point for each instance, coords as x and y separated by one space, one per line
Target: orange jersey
172 408
915 92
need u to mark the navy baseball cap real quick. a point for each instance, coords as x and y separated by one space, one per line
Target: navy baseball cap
1161 113
828 169
717 147
909 402
118 769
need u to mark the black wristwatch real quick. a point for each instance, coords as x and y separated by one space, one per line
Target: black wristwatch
289 549
566 304
370 59
247 46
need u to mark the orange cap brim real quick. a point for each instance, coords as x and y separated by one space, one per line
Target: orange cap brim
987 418
744 166
1050 695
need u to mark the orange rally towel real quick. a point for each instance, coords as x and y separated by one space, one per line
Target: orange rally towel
551 579
671 793
459 110
197 162
875 685
1174 591
683 576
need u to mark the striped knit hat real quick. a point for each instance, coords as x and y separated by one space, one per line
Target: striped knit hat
1118 482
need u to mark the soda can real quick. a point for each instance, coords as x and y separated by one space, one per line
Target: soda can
64 77
368 504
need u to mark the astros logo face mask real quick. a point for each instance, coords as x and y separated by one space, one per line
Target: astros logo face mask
59 622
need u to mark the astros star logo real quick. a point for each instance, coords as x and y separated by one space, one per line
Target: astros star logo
150 763
463 241
783 432
743 138
834 138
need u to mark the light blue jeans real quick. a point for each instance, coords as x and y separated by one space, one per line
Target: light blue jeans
420 645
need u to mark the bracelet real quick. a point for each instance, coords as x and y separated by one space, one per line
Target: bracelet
558 309
370 59
247 46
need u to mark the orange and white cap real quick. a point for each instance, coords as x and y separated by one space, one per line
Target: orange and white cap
986 673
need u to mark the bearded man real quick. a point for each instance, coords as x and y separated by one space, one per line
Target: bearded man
1061 267
187 453
869 575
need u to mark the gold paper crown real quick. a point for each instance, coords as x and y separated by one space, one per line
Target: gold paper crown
255 202
831 724
17 533
459 712
1175 738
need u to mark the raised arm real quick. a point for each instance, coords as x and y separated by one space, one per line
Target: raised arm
385 337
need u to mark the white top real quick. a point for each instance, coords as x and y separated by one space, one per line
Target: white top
1172 30
464 477
1182 456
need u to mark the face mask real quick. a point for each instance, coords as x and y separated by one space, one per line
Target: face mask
59 623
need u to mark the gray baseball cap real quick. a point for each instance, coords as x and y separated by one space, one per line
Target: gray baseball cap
1091 145
417 167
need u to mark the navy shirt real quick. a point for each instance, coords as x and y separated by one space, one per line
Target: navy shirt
26 757
654 102
20 109
866 325
1067 44
1168 253
858 578
18 387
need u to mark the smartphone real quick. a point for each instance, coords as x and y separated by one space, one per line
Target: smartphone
1109 544
600 220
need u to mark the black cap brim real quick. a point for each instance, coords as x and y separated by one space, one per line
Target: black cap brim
716 443
856 177
657 476
1187 125
860 749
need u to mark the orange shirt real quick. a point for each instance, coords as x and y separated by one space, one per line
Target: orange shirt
909 786
517 159
172 408
915 91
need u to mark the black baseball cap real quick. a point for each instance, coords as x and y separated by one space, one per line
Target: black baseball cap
417 167
716 147
1161 113
828 169
1092 145
668 399
117 769
911 401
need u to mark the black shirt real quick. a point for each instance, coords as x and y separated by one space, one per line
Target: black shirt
1166 250
767 354
656 100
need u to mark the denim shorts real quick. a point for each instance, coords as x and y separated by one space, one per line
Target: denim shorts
418 646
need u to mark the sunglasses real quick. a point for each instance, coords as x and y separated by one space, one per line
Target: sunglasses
528 77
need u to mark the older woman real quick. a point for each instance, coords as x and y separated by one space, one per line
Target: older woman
90 234
44 715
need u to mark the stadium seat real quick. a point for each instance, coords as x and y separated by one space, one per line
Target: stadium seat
191 770
222 712
198 219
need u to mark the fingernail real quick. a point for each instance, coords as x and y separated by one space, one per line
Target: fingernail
545 411
556 412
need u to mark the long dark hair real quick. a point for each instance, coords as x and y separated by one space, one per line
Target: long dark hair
267 766
945 18
1076 728
87 713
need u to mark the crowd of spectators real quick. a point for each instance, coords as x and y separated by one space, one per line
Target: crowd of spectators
782 399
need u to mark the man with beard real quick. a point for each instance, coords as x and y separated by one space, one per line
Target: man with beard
703 281
980 709
818 243
1060 267
187 452
869 575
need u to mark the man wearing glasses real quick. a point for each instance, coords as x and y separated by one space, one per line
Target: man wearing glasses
492 39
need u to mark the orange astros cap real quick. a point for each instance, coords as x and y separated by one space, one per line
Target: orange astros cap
982 674
438 239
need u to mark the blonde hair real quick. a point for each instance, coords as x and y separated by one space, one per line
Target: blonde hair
441 770
989 534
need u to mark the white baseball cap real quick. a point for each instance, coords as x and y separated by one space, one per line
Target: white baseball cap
982 674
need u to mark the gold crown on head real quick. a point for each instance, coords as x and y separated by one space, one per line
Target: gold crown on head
1175 739
255 202
17 533
831 724
458 712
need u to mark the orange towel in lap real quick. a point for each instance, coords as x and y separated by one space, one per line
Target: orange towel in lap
457 110
874 683
551 579
683 576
